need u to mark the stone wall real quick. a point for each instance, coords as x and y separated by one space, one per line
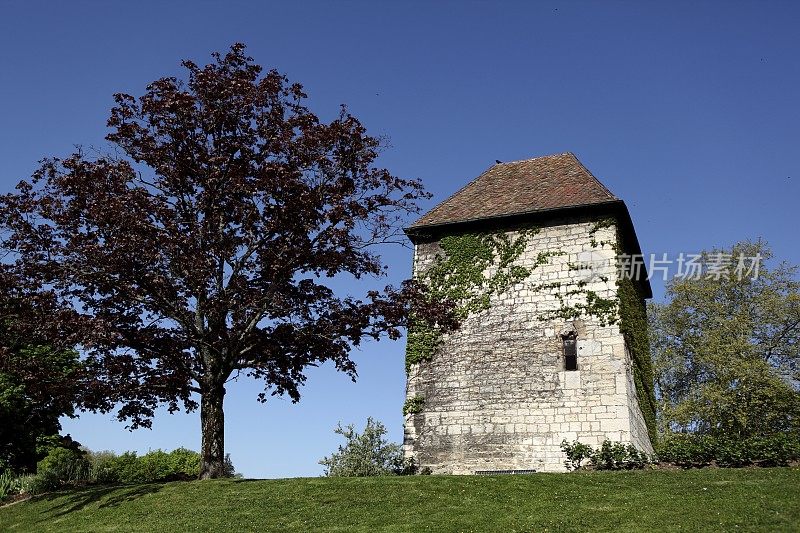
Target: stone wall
496 394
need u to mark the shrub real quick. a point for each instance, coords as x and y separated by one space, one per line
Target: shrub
693 450
684 449
635 459
44 482
731 453
776 450
155 465
365 454
11 485
62 466
24 484
127 469
576 454
610 456
187 462
102 467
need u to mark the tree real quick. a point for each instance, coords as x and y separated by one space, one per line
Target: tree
726 350
31 402
364 454
39 382
209 244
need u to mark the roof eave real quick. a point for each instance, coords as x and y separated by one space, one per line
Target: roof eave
417 229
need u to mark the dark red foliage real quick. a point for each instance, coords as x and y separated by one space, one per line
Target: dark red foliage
206 245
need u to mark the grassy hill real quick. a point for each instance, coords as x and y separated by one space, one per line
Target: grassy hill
745 500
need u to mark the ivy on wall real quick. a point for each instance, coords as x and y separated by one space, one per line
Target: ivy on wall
413 405
458 274
633 325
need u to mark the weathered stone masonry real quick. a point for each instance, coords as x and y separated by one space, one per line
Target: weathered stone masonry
496 393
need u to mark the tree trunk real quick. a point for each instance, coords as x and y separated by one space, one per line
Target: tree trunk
212 420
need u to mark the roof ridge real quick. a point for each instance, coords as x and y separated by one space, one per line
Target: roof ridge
535 158
600 183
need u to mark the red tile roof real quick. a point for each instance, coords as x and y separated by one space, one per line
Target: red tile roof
519 187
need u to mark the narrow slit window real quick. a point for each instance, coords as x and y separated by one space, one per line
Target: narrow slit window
570 352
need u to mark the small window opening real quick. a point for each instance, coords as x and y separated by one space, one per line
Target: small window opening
570 352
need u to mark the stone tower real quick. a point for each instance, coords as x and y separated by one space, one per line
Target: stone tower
553 345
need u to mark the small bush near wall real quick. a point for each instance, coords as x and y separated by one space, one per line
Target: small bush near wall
687 450
609 456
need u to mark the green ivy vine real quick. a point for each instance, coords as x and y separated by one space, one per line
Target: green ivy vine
633 325
606 310
413 405
459 274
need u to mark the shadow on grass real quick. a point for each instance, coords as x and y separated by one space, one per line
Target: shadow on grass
105 496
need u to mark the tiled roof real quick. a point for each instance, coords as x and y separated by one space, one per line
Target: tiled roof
519 187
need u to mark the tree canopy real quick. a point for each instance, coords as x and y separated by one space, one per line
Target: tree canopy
726 350
206 244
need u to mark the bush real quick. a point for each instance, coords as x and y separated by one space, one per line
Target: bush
44 482
576 454
635 459
126 468
618 456
155 465
24 484
684 449
692 450
60 467
366 454
187 462
11 485
102 467
776 450
610 456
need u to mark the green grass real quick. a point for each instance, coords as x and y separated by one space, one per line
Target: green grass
696 500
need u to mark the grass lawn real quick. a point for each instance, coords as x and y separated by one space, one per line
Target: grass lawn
765 499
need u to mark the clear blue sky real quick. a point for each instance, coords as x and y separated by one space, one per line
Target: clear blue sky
688 111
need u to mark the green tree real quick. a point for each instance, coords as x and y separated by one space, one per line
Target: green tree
364 454
726 348
42 378
36 389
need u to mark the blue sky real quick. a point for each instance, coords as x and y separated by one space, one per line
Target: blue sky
688 111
